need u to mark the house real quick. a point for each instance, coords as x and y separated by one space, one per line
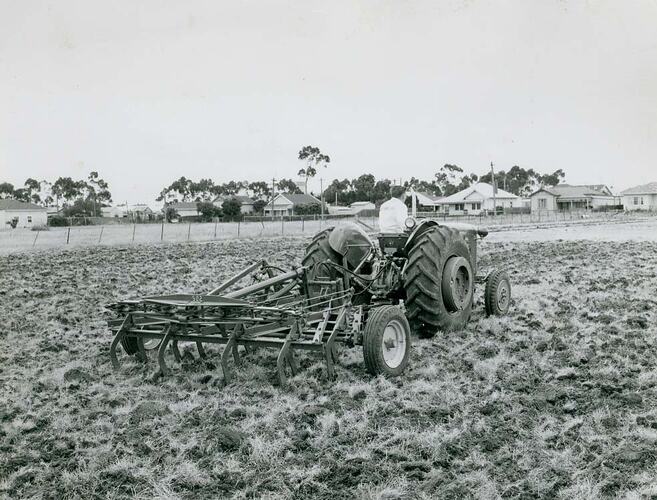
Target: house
246 203
426 201
287 203
22 213
117 211
361 206
642 197
354 209
477 199
141 211
567 197
183 209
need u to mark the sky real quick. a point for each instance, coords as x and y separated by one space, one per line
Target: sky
145 92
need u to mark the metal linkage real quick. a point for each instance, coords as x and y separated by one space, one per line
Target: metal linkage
268 313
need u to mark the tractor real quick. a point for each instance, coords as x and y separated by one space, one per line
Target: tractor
351 289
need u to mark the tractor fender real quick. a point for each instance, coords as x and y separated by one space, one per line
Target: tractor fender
419 230
350 241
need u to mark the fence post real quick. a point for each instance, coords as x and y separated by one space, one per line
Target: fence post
282 225
35 238
134 227
162 231
189 230
68 234
238 228
303 220
215 228
101 233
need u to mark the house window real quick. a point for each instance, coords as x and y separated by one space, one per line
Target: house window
642 200
476 206
29 217
636 200
542 203
459 206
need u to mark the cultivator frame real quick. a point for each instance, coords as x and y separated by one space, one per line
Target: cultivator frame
282 310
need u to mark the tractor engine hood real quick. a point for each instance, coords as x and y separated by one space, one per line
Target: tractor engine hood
352 243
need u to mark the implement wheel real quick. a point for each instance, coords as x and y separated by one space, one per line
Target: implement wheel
386 341
130 345
497 296
439 282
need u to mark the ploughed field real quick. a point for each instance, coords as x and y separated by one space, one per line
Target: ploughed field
559 399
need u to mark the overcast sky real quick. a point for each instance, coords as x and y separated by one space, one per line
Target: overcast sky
147 91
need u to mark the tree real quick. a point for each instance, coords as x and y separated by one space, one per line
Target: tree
33 188
208 211
202 190
178 191
288 186
308 209
259 206
259 190
338 191
313 158
231 208
552 179
170 214
363 187
98 192
446 178
6 190
67 189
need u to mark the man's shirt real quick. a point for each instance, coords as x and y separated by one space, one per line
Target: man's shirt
392 215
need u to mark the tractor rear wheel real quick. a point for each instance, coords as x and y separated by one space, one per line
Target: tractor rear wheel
318 252
386 341
439 282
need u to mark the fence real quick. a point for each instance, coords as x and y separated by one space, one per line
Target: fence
19 239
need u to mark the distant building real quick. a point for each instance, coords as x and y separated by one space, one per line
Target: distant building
117 211
476 199
184 210
567 197
22 213
286 203
354 209
426 201
246 203
642 197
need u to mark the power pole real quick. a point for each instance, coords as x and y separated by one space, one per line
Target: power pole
321 195
492 174
273 195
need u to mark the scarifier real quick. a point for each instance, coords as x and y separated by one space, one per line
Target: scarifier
349 290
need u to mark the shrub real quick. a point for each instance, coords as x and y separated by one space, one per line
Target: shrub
57 221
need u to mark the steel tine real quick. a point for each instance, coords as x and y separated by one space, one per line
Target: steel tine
201 350
162 350
176 351
117 338
280 362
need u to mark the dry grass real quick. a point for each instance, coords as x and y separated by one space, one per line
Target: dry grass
556 400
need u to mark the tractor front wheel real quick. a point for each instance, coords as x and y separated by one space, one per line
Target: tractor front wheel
497 296
386 341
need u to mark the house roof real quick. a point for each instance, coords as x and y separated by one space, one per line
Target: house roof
244 200
427 198
650 188
298 199
187 205
483 188
362 204
9 204
568 191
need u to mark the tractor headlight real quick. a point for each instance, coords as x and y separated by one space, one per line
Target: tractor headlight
410 223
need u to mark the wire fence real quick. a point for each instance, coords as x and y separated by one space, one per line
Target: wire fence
162 232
